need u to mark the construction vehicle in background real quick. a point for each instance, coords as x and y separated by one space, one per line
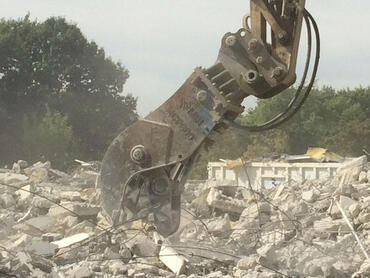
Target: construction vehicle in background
145 167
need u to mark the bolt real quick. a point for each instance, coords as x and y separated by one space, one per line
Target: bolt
138 154
259 60
159 186
230 40
251 76
253 44
202 96
277 72
282 36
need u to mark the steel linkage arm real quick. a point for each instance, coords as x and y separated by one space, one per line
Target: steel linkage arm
146 166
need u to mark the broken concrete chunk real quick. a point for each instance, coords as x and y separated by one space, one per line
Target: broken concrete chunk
80 209
22 164
313 270
220 226
41 203
364 271
345 189
36 226
226 204
194 231
22 241
42 248
354 210
11 178
7 201
71 196
172 260
19 166
267 251
213 195
88 177
42 264
117 268
363 177
28 171
69 221
364 217
243 229
169 256
24 194
248 263
81 272
42 223
68 241
310 196
112 253
144 247
345 203
49 237
39 175
16 168
27 229
349 172
366 226
255 210
343 228
326 225
57 173
82 227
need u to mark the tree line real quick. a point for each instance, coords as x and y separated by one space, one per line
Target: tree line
338 120
61 97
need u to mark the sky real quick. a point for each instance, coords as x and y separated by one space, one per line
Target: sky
160 42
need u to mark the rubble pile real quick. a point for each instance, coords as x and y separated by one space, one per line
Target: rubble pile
52 225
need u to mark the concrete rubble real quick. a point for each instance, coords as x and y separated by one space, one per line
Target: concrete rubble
52 225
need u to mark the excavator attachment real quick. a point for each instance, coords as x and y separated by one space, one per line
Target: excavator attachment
146 166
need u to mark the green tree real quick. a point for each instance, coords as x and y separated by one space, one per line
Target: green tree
52 63
337 120
51 139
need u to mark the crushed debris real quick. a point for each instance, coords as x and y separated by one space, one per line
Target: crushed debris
52 225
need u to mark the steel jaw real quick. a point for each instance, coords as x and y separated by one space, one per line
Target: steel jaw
146 166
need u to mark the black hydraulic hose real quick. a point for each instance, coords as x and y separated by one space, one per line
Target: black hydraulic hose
314 72
288 113
298 91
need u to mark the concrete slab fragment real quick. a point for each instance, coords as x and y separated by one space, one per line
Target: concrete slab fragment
68 241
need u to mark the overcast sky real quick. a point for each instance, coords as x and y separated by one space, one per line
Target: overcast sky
162 41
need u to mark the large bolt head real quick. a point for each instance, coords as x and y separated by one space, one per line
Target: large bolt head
251 76
159 186
259 60
283 36
277 72
138 153
253 44
230 40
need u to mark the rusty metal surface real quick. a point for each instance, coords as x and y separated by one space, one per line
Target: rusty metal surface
146 166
